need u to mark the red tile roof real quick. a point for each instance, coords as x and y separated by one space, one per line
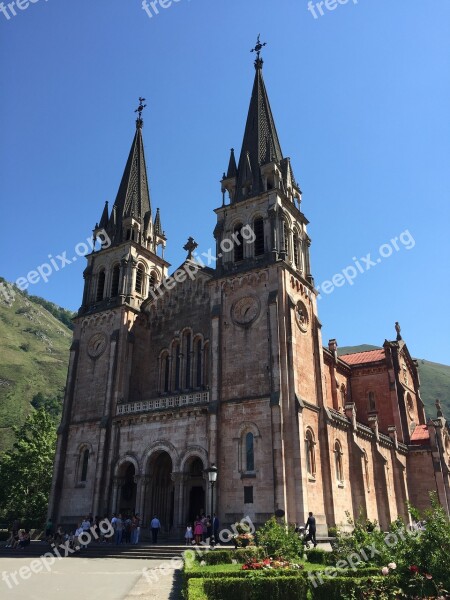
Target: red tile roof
360 358
420 435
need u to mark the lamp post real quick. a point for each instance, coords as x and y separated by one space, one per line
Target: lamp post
212 477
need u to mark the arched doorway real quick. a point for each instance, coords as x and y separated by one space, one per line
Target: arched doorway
160 500
195 488
127 491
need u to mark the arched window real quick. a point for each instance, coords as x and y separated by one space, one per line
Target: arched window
310 453
187 353
366 470
372 401
249 452
338 462
198 358
343 395
177 353
238 244
140 274
100 286
165 372
206 365
285 238
84 465
296 249
258 230
153 279
115 281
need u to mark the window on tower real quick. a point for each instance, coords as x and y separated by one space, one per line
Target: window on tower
285 238
310 453
140 274
372 401
249 452
238 243
84 466
258 230
338 462
100 286
115 281
198 369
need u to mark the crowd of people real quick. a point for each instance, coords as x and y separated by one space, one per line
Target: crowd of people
124 529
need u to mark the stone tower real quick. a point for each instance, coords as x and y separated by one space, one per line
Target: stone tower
118 278
266 320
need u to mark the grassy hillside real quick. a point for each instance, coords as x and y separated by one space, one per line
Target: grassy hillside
34 353
434 380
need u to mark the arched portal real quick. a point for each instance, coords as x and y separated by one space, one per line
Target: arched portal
195 488
127 491
160 496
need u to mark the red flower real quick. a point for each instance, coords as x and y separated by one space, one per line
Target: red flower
414 569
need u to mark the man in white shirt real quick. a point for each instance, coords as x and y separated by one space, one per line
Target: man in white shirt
76 541
155 526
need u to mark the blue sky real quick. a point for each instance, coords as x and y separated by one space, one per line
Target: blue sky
361 101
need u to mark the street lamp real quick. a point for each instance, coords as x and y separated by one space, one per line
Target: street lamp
212 477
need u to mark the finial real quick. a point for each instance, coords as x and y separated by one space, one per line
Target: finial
439 408
258 47
398 329
140 108
190 247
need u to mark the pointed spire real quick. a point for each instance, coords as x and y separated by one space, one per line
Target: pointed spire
260 144
104 218
157 226
232 167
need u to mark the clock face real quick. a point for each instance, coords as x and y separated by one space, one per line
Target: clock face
301 316
245 310
97 345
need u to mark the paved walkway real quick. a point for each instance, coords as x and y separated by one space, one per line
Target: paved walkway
89 578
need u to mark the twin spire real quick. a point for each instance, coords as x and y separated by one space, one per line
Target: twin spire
132 204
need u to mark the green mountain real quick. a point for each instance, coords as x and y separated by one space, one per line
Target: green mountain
434 380
34 353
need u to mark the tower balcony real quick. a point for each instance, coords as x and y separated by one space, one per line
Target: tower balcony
163 403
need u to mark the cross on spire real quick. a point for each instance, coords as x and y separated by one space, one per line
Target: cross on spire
258 47
140 108
190 247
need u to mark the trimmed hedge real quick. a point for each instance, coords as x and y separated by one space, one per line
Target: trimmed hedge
195 590
225 557
258 588
317 556
334 588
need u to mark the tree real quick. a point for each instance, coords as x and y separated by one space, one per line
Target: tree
51 404
26 471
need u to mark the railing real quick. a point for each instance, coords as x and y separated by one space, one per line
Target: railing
163 403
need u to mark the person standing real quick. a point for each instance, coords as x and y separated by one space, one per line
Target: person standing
216 525
155 526
118 526
311 527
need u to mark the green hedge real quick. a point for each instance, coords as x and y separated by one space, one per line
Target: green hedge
335 588
225 557
317 556
195 590
261 588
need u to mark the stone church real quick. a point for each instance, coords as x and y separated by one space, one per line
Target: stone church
224 365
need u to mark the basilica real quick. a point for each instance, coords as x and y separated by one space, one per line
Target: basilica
172 372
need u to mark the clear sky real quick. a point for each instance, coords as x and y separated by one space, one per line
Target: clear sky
360 96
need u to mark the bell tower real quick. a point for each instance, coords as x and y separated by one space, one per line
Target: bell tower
118 279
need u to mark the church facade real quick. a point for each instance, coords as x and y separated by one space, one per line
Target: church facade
225 366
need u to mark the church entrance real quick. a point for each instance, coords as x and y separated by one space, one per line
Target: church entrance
127 497
161 490
195 488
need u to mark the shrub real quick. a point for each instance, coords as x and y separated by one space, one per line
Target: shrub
226 557
255 588
280 539
195 590
355 588
317 556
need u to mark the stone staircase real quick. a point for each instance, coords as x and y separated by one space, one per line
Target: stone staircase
163 551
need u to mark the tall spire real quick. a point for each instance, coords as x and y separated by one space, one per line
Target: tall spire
260 144
133 197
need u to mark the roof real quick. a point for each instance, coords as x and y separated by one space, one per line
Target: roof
360 358
420 435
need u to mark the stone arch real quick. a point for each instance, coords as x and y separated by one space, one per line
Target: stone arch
158 446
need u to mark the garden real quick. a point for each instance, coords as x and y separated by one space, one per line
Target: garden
408 562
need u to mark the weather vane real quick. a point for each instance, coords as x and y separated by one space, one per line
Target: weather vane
258 47
140 108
